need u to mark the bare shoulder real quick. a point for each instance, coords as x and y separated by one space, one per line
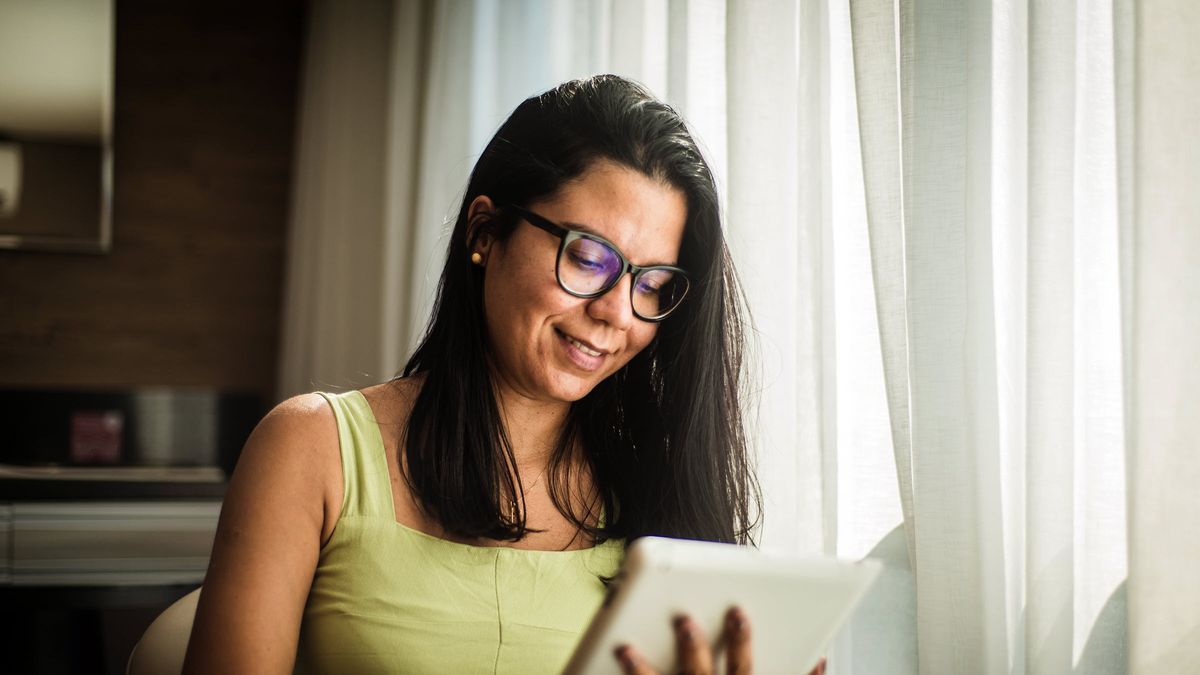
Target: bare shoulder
300 434
294 453
303 414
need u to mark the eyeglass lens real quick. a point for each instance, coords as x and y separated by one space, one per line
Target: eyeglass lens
588 267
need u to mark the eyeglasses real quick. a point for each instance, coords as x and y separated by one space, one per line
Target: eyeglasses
589 266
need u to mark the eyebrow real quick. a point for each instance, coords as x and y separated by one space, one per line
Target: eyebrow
571 225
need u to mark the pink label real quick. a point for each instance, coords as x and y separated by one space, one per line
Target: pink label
96 436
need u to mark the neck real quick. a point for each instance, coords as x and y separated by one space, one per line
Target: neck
533 427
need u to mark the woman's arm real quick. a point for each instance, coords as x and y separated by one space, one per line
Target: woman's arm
283 497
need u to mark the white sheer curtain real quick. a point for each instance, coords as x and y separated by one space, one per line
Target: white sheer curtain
990 166
970 267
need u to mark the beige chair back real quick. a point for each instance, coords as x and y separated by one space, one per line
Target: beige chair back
164 644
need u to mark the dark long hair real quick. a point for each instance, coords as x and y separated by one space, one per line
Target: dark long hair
663 437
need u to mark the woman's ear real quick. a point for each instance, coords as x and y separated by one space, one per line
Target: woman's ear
480 233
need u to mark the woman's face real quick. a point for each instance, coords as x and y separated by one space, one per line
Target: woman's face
548 345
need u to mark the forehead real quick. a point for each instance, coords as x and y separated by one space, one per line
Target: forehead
643 216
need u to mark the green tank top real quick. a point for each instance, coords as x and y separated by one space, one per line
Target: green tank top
390 599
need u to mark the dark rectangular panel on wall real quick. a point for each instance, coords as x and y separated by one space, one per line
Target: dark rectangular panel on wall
190 294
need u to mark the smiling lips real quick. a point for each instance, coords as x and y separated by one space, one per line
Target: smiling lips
583 347
581 353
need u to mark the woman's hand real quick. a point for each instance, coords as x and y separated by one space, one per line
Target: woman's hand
693 654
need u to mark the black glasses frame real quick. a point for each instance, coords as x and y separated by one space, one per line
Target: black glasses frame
566 236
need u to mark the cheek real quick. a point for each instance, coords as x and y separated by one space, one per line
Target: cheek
518 299
640 337
541 301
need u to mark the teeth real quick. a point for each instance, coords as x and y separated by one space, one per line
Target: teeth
582 347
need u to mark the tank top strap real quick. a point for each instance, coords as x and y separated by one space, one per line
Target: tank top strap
366 485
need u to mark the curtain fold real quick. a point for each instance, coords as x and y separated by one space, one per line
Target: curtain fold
945 118
401 178
762 221
877 81
1164 589
1050 499
333 301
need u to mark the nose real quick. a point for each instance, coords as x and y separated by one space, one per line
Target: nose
615 307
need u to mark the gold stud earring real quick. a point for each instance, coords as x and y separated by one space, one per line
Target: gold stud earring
476 258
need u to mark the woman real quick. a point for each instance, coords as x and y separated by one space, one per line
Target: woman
577 387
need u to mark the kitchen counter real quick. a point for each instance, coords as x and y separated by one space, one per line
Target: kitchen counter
62 483
102 526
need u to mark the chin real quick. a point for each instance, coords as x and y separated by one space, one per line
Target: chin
574 394
573 390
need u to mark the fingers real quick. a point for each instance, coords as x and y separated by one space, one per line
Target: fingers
737 641
692 652
632 662
820 669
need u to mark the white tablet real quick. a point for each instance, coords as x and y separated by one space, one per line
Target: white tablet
795 605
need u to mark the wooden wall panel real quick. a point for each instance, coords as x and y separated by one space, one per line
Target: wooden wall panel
190 295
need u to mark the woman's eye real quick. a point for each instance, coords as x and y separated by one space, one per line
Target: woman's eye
648 288
586 263
653 282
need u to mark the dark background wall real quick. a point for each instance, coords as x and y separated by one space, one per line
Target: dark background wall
190 294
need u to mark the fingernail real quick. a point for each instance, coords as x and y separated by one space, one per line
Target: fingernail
622 654
684 628
737 620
